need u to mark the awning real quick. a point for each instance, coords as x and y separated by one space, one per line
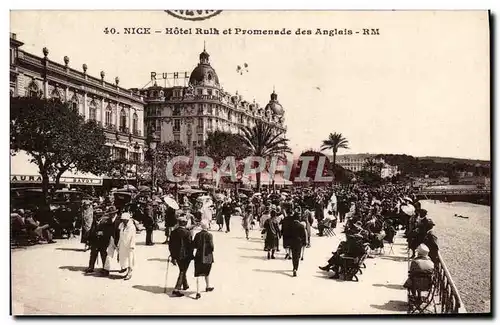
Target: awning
24 171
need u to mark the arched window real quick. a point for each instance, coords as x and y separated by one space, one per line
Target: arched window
109 117
135 121
93 111
123 120
33 90
56 94
74 103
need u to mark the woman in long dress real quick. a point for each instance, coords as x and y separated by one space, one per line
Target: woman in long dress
87 219
203 245
273 234
126 244
247 218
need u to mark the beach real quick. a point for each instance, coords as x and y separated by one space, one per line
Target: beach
464 244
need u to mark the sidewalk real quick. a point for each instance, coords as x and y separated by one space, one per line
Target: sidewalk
49 280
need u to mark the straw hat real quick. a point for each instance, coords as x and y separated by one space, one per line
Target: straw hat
422 250
126 216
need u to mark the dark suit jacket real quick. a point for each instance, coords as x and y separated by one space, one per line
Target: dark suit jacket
204 245
181 244
298 237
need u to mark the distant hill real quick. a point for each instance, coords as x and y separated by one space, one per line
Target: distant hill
450 160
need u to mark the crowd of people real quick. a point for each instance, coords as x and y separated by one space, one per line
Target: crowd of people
370 216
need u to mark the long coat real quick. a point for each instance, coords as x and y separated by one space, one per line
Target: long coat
204 245
87 218
286 226
272 230
126 244
297 235
181 244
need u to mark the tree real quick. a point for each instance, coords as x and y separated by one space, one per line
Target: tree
264 141
335 142
163 153
373 165
220 144
313 166
57 138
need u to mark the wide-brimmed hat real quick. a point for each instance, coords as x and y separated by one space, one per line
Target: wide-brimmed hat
204 224
182 219
126 216
422 250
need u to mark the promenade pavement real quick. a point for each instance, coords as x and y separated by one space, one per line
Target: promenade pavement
49 280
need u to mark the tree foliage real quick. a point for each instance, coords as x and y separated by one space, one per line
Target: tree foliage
419 167
264 141
335 142
220 144
163 153
57 138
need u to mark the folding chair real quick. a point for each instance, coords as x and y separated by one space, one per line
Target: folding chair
391 249
421 295
328 231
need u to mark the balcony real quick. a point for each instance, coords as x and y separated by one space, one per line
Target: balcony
136 132
199 129
109 126
124 129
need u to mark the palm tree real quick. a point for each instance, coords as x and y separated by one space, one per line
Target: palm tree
264 141
335 142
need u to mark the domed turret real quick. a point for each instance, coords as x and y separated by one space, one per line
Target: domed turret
204 74
274 105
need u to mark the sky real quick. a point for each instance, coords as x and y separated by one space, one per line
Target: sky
421 87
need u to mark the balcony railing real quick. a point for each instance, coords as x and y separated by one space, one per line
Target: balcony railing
136 132
447 292
109 126
124 129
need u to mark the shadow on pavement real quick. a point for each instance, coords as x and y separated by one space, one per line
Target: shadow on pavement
395 258
283 272
263 257
390 286
251 249
392 305
156 259
161 290
71 249
73 268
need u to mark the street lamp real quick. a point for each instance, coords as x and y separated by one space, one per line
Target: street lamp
153 141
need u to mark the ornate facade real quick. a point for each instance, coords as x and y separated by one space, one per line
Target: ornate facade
187 114
118 110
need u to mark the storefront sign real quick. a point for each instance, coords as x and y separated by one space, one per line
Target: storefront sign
63 180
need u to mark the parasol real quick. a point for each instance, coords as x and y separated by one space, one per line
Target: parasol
408 209
219 196
243 196
129 187
171 202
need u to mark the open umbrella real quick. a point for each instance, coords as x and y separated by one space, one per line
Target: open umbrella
171 202
408 209
219 196
243 196
129 187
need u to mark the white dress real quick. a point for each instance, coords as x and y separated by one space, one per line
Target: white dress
126 245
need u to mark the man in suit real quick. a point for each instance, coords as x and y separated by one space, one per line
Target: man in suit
298 239
227 210
112 236
149 222
181 252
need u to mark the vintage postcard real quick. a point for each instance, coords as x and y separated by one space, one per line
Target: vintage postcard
218 162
